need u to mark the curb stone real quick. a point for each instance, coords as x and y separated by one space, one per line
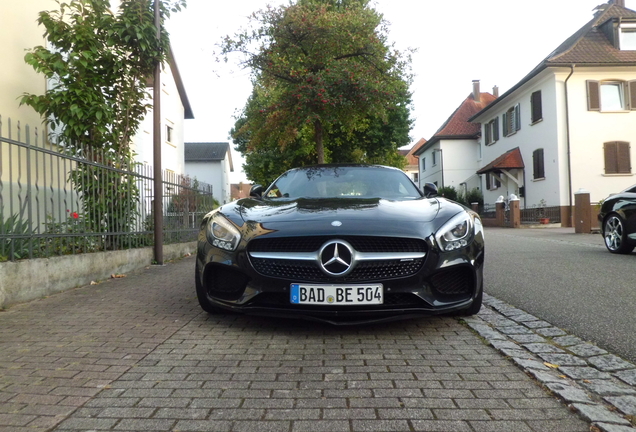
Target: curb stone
599 386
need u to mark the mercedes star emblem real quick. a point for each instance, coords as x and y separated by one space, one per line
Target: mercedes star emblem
336 258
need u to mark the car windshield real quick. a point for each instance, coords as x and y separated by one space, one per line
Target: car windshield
343 182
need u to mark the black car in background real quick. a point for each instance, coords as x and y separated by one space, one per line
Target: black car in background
617 219
342 244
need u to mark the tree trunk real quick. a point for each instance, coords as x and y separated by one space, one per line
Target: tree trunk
320 149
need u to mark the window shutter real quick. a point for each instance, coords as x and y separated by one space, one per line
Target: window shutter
632 95
504 120
611 162
487 133
624 165
517 117
536 107
495 127
593 98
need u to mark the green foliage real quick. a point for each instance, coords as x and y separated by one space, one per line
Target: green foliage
320 67
68 237
448 192
109 195
14 248
97 64
469 197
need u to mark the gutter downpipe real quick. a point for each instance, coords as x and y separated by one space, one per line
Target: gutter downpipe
567 131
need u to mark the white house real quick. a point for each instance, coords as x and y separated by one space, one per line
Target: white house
412 162
569 124
211 163
451 157
174 108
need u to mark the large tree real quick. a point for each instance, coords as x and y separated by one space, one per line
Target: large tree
318 65
376 141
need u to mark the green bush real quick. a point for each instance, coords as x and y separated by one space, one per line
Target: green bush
14 248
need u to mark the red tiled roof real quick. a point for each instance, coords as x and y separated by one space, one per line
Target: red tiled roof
410 155
458 124
510 160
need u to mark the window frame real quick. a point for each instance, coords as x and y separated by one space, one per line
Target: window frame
492 183
595 100
626 28
491 131
511 120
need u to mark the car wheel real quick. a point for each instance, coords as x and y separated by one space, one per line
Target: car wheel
202 294
475 307
615 236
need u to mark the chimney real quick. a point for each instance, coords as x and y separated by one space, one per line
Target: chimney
495 91
619 3
476 92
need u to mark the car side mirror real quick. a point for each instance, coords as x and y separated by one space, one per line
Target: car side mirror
430 190
256 191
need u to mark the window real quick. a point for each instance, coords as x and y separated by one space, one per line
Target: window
434 156
491 131
416 177
628 37
423 164
535 107
169 133
511 120
492 182
617 157
611 95
538 167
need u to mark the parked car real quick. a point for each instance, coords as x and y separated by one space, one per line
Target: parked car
342 244
617 219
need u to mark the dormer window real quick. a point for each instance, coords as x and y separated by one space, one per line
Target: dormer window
628 37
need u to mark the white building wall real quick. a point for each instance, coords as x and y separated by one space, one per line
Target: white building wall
172 114
215 173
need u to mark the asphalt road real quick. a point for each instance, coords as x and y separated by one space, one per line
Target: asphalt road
567 279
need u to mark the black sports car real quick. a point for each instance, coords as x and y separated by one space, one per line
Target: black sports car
617 219
342 244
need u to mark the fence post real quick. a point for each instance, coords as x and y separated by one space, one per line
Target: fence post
500 215
582 212
515 212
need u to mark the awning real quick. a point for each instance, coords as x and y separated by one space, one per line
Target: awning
510 160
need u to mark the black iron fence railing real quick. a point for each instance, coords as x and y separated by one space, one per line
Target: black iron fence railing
57 201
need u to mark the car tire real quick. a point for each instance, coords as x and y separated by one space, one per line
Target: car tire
614 235
475 306
202 294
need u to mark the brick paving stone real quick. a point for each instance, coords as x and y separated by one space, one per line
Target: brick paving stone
586 350
627 376
626 404
114 357
609 363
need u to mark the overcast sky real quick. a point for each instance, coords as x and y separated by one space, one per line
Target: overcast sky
495 41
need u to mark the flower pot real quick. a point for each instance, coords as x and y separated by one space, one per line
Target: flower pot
544 221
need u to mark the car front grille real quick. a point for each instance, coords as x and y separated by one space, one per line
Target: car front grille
359 243
365 271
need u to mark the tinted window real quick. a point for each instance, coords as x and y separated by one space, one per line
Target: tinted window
343 182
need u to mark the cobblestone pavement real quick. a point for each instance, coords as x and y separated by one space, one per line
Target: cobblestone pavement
137 354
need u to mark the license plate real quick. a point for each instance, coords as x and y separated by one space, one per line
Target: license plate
369 294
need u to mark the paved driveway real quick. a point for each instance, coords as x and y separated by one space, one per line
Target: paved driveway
137 353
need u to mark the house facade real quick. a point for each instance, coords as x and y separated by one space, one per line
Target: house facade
211 163
452 156
569 124
412 162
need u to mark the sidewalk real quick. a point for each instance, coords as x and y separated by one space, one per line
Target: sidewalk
137 353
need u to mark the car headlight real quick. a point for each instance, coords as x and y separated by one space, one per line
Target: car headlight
457 233
222 233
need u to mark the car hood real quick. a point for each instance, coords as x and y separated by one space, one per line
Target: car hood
346 212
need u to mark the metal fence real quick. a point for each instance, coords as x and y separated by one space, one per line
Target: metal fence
535 214
59 201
